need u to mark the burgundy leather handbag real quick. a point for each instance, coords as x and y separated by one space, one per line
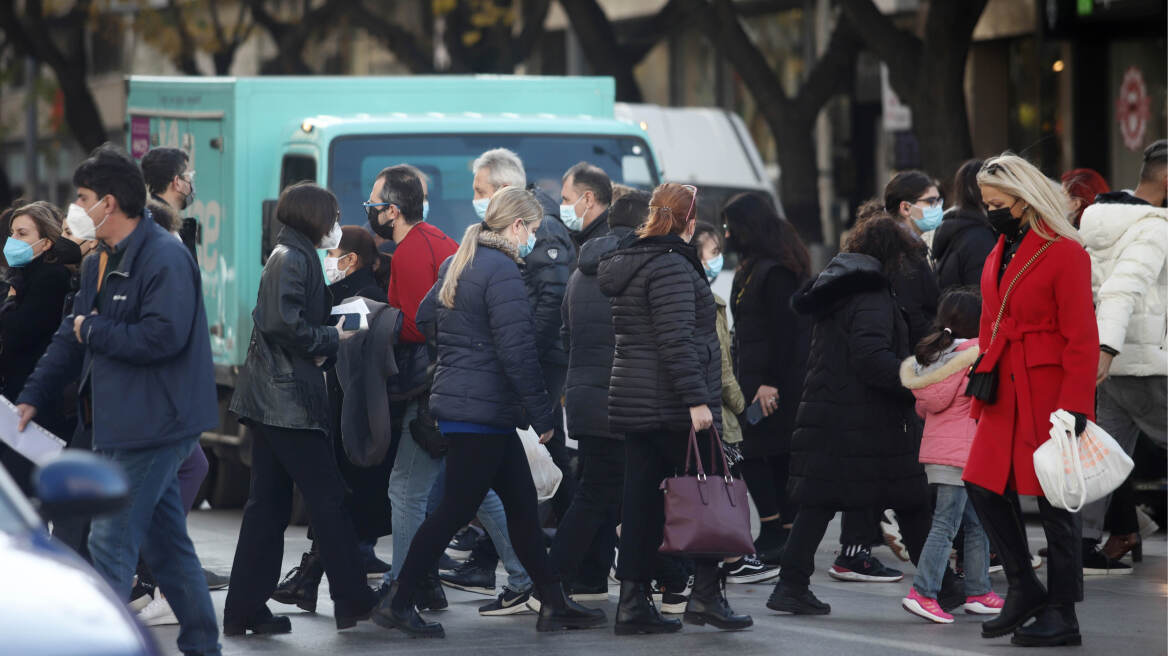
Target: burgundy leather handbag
706 516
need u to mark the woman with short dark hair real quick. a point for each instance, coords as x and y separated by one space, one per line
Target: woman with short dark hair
965 239
281 398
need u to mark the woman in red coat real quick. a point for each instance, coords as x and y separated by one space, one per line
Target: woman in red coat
1041 352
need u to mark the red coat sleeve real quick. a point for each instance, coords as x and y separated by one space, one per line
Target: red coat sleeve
1076 322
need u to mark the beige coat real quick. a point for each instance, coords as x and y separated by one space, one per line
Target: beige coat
733 402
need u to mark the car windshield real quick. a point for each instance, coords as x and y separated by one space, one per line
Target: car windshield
446 159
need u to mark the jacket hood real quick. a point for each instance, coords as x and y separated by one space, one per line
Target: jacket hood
959 357
956 222
618 268
1104 224
846 275
598 247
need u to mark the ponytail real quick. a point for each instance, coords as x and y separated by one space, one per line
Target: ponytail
930 348
465 253
958 316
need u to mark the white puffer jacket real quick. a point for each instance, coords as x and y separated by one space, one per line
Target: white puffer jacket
1128 245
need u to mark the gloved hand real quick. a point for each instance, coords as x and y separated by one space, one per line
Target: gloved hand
1080 422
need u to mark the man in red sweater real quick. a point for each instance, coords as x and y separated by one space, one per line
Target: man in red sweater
395 212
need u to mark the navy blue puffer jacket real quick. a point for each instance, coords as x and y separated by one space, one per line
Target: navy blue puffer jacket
488 368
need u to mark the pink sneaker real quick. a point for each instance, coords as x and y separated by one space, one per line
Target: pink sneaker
987 604
922 606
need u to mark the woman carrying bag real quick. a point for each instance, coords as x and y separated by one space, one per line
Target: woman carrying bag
1039 351
666 381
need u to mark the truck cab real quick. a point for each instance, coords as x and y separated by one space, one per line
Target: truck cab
249 138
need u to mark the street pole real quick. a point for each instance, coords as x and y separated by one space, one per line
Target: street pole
30 130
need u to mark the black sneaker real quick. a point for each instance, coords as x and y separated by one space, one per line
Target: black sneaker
749 570
673 602
796 602
1097 563
508 602
864 568
216 581
447 564
462 543
376 567
472 578
584 592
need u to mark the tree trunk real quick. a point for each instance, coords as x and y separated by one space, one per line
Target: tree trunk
81 110
605 54
799 175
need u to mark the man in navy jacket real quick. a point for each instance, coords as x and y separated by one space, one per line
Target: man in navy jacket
138 341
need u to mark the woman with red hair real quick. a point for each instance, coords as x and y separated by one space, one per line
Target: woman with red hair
1083 185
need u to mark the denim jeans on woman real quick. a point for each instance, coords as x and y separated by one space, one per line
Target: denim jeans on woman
952 507
155 524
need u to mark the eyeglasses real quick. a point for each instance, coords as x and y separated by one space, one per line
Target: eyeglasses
367 205
189 176
931 201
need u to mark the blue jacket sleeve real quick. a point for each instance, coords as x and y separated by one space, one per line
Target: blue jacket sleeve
167 312
510 320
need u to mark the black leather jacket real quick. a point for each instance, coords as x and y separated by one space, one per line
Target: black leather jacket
280 384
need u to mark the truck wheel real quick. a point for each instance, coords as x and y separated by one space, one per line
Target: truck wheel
232 481
299 509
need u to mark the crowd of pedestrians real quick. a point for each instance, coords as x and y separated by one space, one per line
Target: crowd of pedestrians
905 386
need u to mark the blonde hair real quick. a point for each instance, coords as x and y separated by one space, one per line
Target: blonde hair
1047 203
507 205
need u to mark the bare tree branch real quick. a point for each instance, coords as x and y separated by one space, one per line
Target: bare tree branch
898 49
184 59
411 51
534 15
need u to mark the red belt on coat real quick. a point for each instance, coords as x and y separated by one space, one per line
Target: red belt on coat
1011 331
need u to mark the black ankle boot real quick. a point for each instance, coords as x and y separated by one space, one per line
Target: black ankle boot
262 623
430 595
1055 625
636 613
557 611
300 585
707 603
1022 603
407 620
797 601
347 612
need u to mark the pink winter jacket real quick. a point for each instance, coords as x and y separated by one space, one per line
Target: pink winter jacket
941 400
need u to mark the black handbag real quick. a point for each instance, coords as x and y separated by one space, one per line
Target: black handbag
424 431
983 385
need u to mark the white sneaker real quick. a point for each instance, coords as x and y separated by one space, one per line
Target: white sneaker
136 605
890 527
157 612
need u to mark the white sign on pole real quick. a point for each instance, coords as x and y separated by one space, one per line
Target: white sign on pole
896 115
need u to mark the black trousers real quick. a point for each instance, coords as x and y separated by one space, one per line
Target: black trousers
554 377
281 457
587 532
766 478
476 463
1064 542
861 527
649 458
798 562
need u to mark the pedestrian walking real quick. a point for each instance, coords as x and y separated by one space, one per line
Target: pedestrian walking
1040 350
965 239
585 196
281 398
486 384
938 375
666 380
138 333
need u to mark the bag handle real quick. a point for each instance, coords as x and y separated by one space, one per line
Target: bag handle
691 453
1068 444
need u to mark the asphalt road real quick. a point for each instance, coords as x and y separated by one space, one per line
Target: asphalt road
1122 616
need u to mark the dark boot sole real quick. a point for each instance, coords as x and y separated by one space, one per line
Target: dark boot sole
1008 629
1070 640
798 610
386 624
701 619
645 629
569 624
348 622
308 606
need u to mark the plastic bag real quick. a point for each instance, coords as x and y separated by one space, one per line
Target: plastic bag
544 473
1076 471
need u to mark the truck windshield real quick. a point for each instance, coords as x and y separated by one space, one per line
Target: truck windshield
446 159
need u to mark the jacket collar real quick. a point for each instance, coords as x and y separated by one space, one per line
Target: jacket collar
352 284
1031 242
597 228
295 239
132 245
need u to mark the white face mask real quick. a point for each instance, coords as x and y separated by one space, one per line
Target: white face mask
332 271
81 223
332 239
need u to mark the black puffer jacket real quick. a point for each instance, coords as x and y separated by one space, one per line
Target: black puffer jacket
667 357
589 337
29 318
917 293
545 272
280 384
770 348
960 248
488 371
854 446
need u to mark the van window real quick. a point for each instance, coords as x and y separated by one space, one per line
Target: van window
297 168
446 159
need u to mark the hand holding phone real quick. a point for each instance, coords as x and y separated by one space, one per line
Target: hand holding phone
754 413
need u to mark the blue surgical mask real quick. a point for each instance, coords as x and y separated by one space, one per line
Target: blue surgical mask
713 266
425 210
525 249
480 206
930 218
17 252
570 219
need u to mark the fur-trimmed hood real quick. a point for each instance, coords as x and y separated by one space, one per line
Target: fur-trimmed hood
962 356
498 242
846 275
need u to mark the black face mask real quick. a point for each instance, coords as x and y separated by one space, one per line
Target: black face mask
383 230
1004 223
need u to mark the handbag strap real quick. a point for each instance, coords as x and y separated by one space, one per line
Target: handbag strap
691 453
1010 290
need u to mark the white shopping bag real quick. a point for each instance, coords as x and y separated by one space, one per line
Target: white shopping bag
544 473
1076 471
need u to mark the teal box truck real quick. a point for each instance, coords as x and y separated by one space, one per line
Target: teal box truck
248 138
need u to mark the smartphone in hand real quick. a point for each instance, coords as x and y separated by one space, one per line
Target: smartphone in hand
350 321
754 413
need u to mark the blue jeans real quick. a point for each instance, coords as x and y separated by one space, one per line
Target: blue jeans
154 523
413 476
952 508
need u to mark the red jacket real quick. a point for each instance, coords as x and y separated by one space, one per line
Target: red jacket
413 271
1047 351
